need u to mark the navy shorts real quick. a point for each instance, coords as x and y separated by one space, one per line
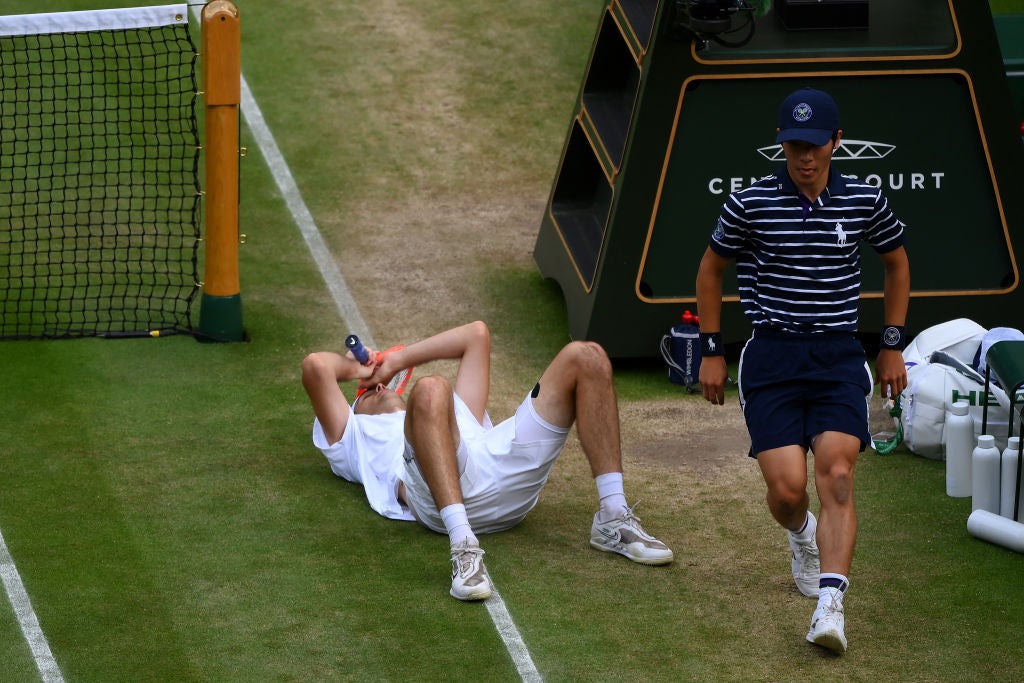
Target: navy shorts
796 386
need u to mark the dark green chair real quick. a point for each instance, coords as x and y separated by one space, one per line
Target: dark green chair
1005 360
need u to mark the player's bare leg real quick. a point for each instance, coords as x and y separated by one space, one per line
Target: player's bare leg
431 428
578 385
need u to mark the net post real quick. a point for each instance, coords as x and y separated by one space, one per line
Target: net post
220 316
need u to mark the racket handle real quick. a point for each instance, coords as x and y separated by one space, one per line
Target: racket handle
356 347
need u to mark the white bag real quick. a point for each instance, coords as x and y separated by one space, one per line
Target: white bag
939 373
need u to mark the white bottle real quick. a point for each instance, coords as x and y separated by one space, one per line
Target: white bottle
1008 478
985 475
996 529
958 443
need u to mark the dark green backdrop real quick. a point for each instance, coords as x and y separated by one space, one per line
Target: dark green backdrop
665 127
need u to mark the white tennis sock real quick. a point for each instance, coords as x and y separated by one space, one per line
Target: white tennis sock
456 522
808 530
832 588
611 495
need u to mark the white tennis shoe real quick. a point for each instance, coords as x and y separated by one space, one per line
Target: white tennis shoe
625 536
469 575
806 564
828 623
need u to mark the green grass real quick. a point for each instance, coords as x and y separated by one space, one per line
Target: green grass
172 522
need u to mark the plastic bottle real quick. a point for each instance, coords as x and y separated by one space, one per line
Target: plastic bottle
985 475
958 443
996 529
1008 477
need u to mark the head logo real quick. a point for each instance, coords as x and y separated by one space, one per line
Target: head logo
802 112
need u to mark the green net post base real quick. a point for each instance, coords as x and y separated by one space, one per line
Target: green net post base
220 318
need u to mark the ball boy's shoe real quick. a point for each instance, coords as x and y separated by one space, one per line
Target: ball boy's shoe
828 626
806 565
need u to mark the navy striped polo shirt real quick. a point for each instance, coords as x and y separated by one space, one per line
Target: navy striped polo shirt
798 262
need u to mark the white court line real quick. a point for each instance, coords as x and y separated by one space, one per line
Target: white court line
510 636
350 314
304 219
34 636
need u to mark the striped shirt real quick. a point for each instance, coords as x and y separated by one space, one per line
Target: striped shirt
798 262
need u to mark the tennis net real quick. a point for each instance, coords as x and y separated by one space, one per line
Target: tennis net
99 173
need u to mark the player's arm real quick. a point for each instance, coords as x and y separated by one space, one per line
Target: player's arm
713 370
890 370
321 373
469 344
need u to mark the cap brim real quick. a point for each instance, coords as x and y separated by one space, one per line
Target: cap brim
815 136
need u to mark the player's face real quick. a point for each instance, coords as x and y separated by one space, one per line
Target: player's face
379 400
808 165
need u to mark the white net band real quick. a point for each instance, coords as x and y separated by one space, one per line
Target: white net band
93 20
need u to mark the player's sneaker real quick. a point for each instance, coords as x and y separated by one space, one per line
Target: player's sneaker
625 536
828 624
469 575
806 565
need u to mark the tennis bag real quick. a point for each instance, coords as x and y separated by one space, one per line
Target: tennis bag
680 349
939 373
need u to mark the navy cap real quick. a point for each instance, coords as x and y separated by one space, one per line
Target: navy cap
808 115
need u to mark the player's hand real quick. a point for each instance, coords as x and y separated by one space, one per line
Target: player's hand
714 373
382 369
890 373
371 357
365 372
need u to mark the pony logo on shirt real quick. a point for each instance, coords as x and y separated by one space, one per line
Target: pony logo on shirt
840 235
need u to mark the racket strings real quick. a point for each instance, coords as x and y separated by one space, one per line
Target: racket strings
398 383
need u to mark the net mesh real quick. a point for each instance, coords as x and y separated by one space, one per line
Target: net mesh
99 182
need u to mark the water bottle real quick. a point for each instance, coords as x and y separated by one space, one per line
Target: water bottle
985 475
996 529
958 443
1008 478
686 351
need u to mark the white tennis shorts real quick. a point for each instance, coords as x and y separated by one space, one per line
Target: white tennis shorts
501 470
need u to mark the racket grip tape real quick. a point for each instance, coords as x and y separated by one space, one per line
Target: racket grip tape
353 344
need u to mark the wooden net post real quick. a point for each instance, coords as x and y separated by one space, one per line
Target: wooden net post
220 317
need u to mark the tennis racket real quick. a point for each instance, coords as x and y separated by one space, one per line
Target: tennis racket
398 383
353 344
401 379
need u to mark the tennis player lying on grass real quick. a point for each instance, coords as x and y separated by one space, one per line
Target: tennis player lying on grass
439 460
